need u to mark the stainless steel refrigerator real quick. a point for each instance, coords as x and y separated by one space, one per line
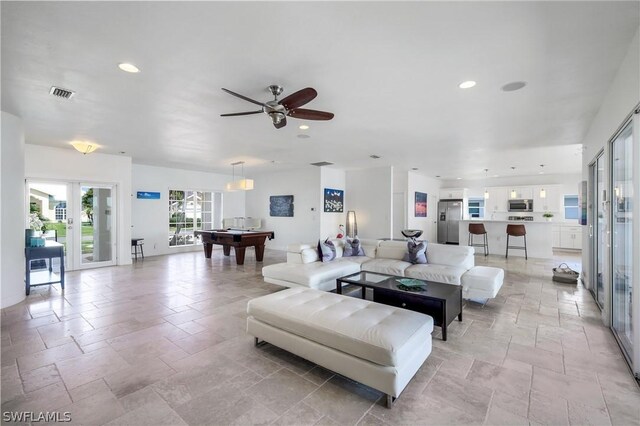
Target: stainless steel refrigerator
449 215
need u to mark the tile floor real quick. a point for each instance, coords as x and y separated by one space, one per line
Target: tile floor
163 342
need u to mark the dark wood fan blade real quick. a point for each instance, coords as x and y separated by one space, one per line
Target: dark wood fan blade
310 114
299 98
281 124
240 113
237 95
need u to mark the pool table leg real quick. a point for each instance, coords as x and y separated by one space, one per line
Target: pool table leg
239 255
226 250
259 252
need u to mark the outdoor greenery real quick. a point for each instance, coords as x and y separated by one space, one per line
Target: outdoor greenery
87 229
87 204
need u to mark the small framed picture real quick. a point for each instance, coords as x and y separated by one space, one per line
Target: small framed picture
421 204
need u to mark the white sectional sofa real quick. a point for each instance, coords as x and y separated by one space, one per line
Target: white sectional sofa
446 264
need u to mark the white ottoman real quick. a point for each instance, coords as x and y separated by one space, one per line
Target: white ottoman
378 345
482 282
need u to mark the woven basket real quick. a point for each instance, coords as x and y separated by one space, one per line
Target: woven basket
564 274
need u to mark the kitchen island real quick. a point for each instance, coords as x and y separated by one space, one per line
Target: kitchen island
539 237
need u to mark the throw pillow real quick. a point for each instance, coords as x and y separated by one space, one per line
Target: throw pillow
352 248
326 250
416 252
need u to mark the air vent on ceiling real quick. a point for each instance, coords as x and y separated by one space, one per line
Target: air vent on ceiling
59 92
321 163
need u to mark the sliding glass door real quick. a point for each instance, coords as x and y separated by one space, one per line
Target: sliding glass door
598 229
622 202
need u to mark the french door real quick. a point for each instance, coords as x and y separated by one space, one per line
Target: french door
598 229
623 200
80 215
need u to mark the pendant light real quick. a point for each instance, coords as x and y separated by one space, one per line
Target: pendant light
486 192
240 184
513 194
543 193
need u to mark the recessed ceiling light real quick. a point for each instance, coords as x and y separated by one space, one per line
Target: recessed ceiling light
122 152
303 127
304 136
414 168
513 86
128 67
467 84
375 157
438 176
458 178
496 175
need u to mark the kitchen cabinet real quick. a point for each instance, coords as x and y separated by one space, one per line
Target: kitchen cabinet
570 237
497 201
555 236
550 203
453 193
521 192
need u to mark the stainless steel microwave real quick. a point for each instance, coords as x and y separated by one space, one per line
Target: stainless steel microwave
520 205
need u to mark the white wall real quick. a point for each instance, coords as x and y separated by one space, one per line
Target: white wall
68 165
304 185
12 215
623 95
369 193
150 218
420 183
330 222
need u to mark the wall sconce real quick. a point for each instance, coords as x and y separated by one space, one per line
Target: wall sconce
240 184
84 146
352 224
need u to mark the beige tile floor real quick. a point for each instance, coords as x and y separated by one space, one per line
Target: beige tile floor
163 342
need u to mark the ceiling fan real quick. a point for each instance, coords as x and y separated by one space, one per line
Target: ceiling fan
278 110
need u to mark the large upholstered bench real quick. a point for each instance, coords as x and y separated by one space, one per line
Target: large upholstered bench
448 264
378 345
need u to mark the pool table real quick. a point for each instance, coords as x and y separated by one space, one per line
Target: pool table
237 239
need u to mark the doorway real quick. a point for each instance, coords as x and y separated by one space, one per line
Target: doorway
598 229
79 215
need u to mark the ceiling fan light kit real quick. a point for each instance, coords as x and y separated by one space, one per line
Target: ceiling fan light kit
279 110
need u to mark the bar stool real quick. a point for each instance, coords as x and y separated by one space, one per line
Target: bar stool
135 244
517 231
478 229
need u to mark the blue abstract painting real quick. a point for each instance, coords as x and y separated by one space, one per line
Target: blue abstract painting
281 206
333 200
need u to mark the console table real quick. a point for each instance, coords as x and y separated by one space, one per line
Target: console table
50 250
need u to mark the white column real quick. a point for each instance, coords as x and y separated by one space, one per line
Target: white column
12 215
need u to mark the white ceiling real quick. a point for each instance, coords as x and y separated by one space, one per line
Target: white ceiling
388 70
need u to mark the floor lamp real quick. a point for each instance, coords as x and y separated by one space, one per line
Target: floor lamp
352 224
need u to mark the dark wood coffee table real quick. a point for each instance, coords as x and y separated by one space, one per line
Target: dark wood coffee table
443 302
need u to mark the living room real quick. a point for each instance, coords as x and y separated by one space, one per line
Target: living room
428 98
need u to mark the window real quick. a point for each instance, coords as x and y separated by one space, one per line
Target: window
61 211
571 208
476 207
190 211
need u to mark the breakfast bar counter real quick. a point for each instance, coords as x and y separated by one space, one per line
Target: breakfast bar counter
539 237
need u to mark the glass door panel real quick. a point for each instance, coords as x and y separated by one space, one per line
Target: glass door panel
600 231
622 201
97 225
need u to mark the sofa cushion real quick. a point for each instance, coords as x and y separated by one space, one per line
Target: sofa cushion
439 273
310 274
416 252
392 250
326 250
451 255
381 334
354 259
386 266
352 248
